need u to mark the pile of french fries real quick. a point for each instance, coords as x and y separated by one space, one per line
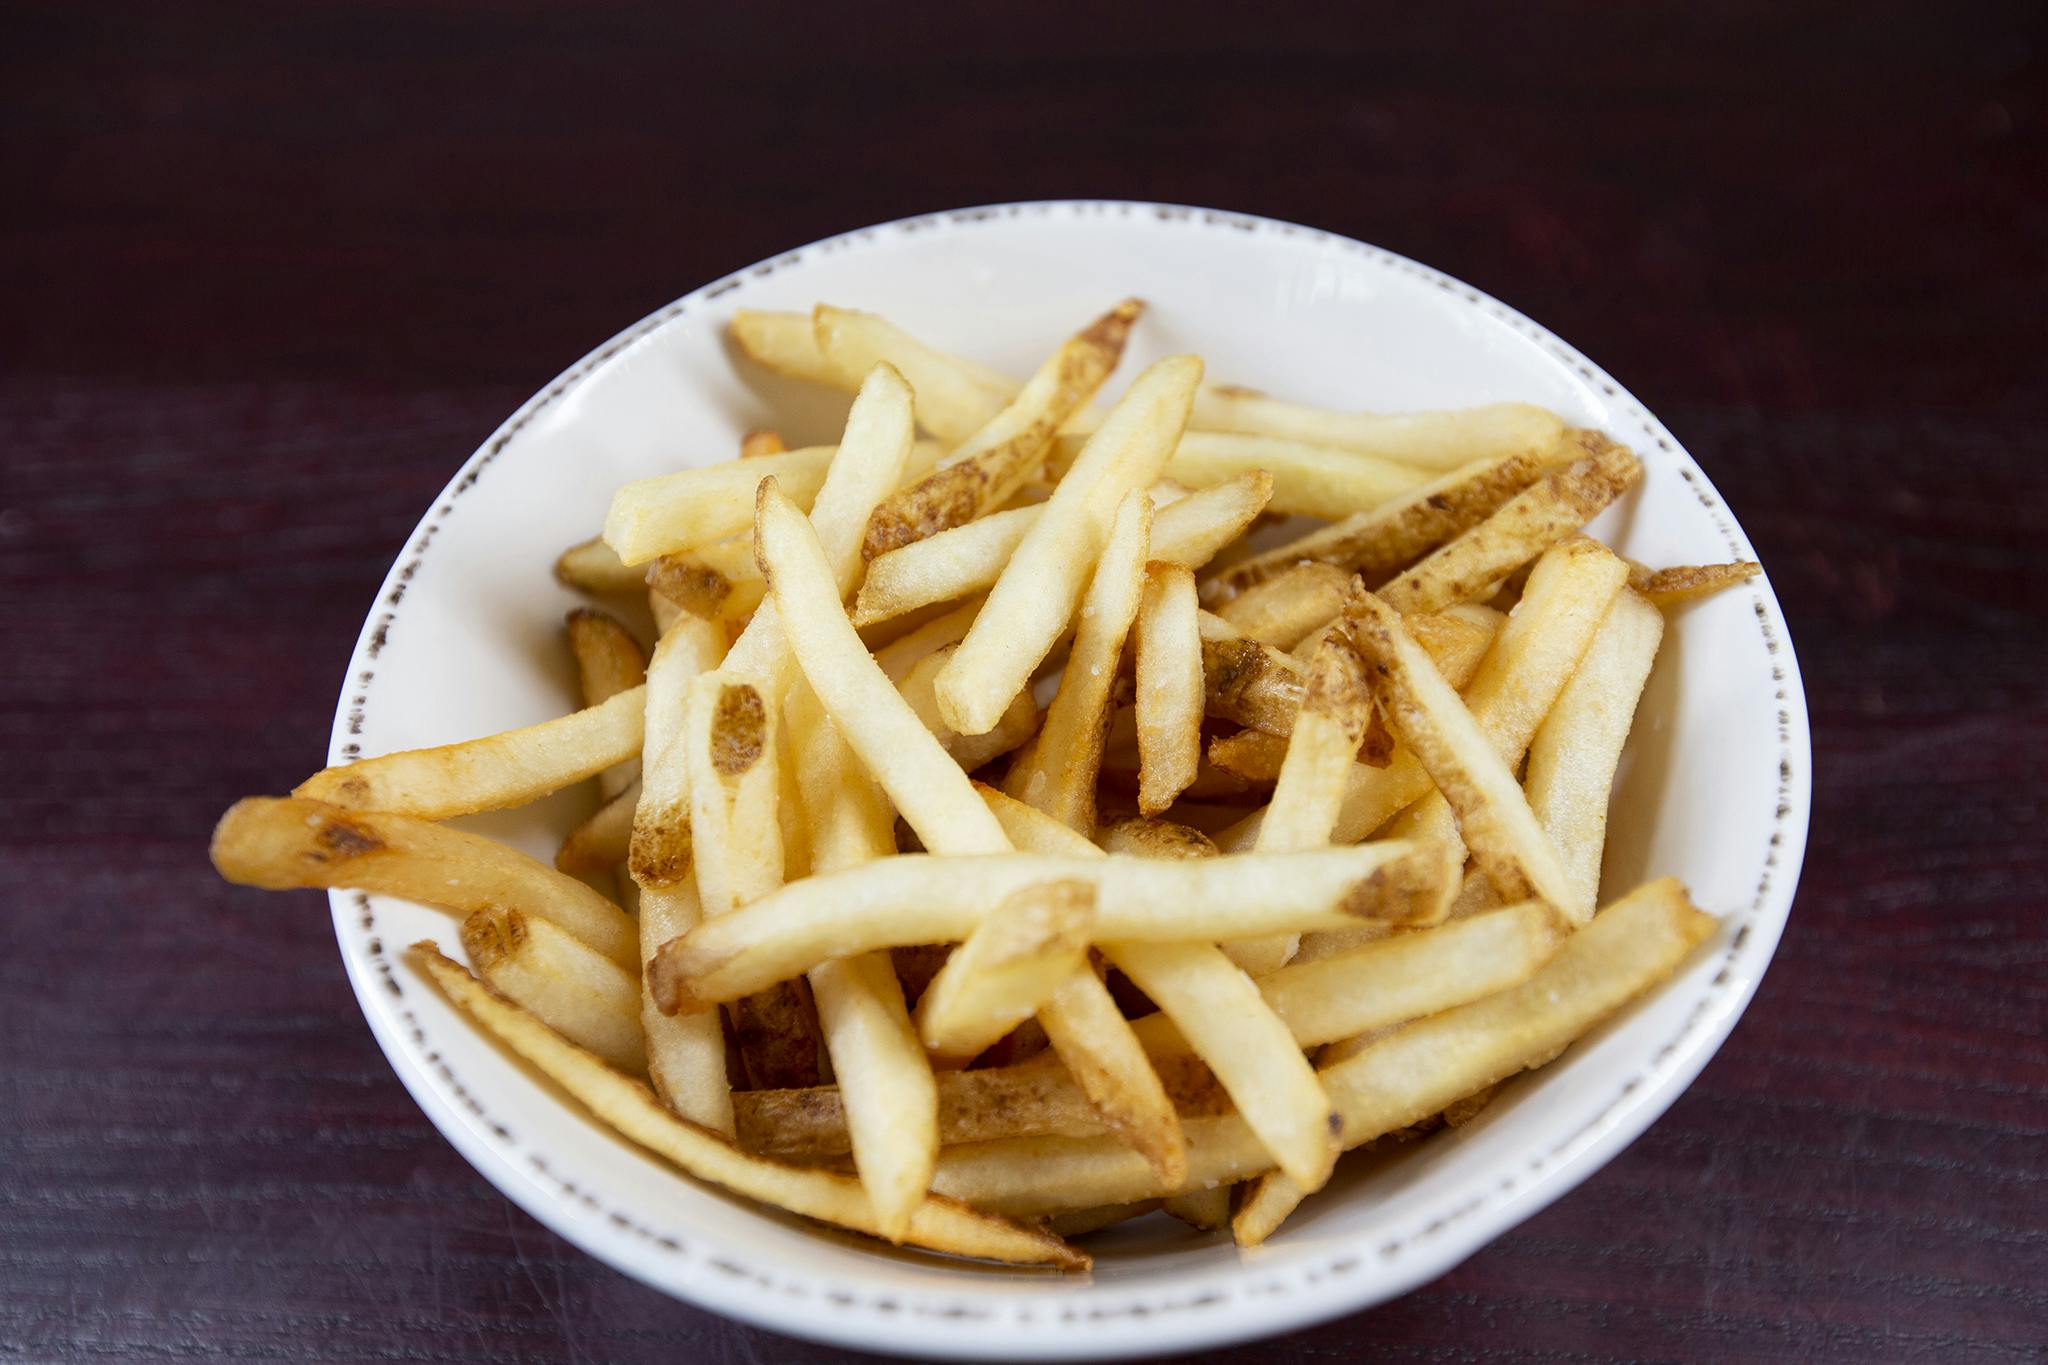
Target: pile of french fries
1022 828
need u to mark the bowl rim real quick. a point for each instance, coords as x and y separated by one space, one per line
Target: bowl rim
1228 1304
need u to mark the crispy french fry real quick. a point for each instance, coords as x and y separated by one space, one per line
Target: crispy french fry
1015 729
921 898
605 839
1401 1079
728 730
608 661
593 566
685 1053
1103 1056
1031 604
1573 757
1218 1009
507 769
631 1109
969 558
718 581
1282 610
1674 587
1171 693
920 777
1007 968
1150 837
1246 682
1432 440
1336 709
581 994
898 657
1253 755
1056 773
787 344
955 398
1430 718
1308 480
1376 543
281 842
1526 525
993 462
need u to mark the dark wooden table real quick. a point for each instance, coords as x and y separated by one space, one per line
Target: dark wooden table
268 273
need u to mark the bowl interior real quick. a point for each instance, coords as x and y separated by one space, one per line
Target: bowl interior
466 639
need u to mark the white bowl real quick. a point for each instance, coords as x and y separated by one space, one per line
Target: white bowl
466 639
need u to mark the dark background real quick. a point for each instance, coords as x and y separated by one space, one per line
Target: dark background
268 273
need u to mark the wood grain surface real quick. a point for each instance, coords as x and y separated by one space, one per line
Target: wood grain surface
268 273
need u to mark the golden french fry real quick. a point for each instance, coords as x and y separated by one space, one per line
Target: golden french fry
903 653
1150 837
593 566
1171 693
1015 729
630 1108
1432 440
581 994
281 842
1007 968
1283 610
920 777
664 612
719 581
1432 720
1674 587
921 898
787 344
1056 773
728 732
1400 1079
685 1053
1202 1210
1102 1054
969 559
1529 523
608 659
1255 1059
1377 542
1031 604
993 462
507 769
1308 480
955 398
605 839
1573 757
1253 755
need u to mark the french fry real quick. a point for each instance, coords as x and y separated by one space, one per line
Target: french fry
1082 1222
685 1053
1056 773
608 659
1430 718
1322 748
1399 1080
1246 682
1674 587
605 839
630 1108
787 344
1015 729
1255 1059
1282 610
955 398
1308 480
1253 755
921 898
728 731
1170 687
1526 525
993 462
1431 440
664 612
919 776
1102 1054
718 581
1150 837
1573 756
579 993
902 654
594 566
968 559
701 506
1202 1210
1376 543
507 769
1570 591
282 842
1031 604
891 1100
1007 968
